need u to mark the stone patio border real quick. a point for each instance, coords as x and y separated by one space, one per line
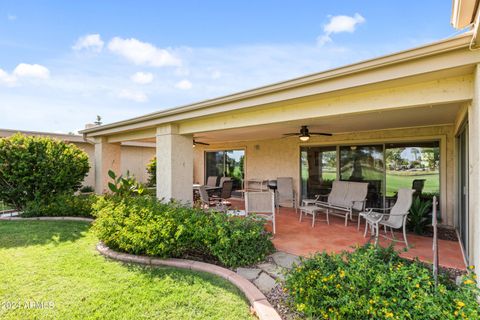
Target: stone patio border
48 219
257 299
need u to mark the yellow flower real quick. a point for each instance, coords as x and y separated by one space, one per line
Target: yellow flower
460 304
301 307
417 285
471 267
342 274
389 315
468 281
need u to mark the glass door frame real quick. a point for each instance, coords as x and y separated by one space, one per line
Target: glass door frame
441 140
463 188
205 151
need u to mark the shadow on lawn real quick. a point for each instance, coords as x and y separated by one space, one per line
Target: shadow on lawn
30 233
184 277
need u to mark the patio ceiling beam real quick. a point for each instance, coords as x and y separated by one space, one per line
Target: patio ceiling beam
451 90
133 136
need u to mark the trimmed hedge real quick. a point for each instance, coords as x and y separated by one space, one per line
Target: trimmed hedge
61 205
144 225
375 283
39 167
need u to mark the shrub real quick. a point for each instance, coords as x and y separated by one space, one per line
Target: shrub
152 172
38 166
376 283
144 225
124 186
60 205
87 189
419 217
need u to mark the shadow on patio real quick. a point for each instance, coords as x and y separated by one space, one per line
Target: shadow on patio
300 238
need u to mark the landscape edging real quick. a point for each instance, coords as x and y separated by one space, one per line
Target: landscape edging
257 299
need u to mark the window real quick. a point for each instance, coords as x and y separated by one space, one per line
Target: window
226 163
318 170
413 165
364 164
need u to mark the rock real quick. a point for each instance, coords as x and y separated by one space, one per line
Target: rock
285 260
265 283
273 270
249 273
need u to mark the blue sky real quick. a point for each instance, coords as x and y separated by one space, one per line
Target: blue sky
62 63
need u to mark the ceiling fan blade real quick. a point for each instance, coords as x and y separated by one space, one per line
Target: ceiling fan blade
291 134
202 143
321 134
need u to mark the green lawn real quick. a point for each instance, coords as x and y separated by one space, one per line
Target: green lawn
56 262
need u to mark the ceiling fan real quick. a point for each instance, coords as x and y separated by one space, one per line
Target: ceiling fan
201 143
304 134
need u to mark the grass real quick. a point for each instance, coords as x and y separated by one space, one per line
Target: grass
55 262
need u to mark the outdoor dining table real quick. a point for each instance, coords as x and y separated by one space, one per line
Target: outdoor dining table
208 188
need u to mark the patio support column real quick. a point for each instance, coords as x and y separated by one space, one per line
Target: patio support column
174 164
474 171
107 157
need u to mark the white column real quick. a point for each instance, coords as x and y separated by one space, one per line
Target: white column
474 172
107 157
174 164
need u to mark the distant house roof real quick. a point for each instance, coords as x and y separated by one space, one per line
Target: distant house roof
62 136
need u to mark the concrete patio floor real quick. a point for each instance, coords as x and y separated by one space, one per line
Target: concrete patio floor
301 239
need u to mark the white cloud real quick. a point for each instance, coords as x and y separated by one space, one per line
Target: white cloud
142 53
338 24
142 77
216 74
136 96
25 70
91 42
11 17
7 79
183 85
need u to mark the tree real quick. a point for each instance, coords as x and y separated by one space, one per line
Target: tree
32 167
98 121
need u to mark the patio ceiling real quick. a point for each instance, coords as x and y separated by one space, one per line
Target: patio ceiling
404 118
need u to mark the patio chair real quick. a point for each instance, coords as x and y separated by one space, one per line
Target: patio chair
395 219
261 204
223 179
286 194
210 203
212 181
226 193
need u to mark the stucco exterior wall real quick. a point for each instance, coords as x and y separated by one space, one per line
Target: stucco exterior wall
90 150
135 160
269 159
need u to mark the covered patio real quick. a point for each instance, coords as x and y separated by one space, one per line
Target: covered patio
300 238
426 97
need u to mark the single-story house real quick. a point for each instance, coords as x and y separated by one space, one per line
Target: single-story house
134 155
410 115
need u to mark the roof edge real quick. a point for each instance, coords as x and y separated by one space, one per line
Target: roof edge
444 45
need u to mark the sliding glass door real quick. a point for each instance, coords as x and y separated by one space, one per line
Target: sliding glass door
318 170
364 164
226 163
385 167
462 222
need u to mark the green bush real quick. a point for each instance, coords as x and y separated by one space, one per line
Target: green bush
38 166
419 216
144 225
125 186
376 283
152 172
60 205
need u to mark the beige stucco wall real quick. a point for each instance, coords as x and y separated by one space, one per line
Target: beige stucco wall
90 150
135 160
269 159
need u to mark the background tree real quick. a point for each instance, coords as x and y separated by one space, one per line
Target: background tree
33 167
